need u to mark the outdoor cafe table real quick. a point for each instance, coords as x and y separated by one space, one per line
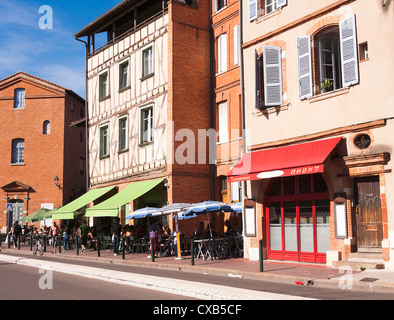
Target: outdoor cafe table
212 247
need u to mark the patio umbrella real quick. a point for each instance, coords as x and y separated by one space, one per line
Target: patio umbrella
31 216
237 207
172 208
207 206
142 213
43 214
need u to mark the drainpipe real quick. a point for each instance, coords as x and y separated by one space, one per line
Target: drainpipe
242 83
212 167
86 113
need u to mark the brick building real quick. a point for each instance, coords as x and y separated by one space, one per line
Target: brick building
39 143
227 100
148 95
318 103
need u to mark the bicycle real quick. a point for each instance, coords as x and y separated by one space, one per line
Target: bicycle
39 246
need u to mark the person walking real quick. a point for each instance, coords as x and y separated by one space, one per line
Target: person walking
84 230
117 229
17 230
54 231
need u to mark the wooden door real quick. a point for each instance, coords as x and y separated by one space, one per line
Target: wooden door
369 214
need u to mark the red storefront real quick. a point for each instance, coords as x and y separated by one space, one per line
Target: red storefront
297 202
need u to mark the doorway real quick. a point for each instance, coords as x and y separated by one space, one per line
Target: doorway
368 214
298 212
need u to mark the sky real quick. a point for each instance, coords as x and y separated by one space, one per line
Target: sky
51 54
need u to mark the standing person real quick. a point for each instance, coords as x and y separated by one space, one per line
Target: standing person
66 238
54 231
17 230
84 230
117 229
153 230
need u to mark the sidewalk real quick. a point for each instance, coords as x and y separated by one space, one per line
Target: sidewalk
369 280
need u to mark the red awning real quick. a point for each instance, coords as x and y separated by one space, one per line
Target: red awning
306 158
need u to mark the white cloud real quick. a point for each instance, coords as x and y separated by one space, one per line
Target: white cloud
67 76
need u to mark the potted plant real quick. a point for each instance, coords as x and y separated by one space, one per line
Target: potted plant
326 85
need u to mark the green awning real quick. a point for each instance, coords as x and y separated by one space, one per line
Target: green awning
110 207
71 209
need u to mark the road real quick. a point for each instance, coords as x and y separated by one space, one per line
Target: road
26 283
22 282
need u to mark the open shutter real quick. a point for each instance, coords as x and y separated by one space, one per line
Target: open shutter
257 79
281 3
305 66
272 62
253 9
347 33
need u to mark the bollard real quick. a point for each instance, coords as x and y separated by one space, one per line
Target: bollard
19 241
261 255
9 241
192 250
59 243
76 244
123 249
45 243
98 246
31 242
152 250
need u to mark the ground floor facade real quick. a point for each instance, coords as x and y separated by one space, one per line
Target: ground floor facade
324 212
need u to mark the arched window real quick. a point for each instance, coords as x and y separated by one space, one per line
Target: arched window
46 127
18 151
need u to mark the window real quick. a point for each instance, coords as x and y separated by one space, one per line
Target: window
103 85
335 53
123 136
329 60
146 129
124 75
264 7
219 4
269 87
223 122
222 53
364 51
18 151
46 127
19 98
104 141
147 61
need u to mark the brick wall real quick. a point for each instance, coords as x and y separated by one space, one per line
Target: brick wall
44 155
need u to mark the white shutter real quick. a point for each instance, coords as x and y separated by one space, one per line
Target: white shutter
236 45
304 66
281 3
272 61
222 53
223 126
347 34
253 9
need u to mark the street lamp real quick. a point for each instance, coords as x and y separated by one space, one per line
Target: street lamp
56 181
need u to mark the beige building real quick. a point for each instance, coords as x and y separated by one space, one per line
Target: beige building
320 120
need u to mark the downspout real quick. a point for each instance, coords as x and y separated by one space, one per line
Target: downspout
212 166
86 113
242 83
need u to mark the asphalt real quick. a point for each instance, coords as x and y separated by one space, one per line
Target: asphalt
303 274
